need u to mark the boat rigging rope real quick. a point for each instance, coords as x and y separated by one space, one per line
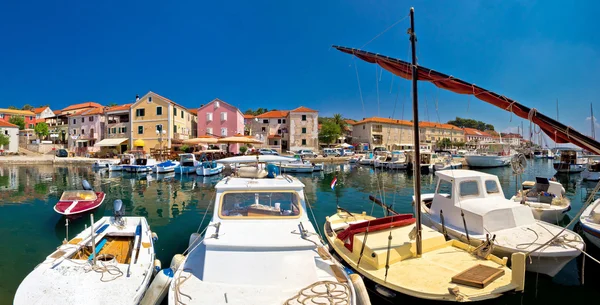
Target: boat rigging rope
314 219
322 292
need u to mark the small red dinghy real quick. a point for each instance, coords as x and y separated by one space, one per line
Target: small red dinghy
76 202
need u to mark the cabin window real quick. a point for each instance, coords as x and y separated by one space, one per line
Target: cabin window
491 187
260 204
469 188
444 188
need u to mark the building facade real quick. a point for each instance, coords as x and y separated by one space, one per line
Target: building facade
43 112
86 127
151 114
12 132
431 132
117 127
220 119
389 133
59 127
303 129
474 136
272 129
28 116
514 139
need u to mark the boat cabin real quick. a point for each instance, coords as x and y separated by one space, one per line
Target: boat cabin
79 195
570 156
480 197
188 160
140 156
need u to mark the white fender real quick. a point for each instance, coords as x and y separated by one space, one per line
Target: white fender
195 238
157 267
176 261
362 296
158 288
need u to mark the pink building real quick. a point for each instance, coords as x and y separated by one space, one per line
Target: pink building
220 119
86 127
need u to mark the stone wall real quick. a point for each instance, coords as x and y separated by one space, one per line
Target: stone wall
43 148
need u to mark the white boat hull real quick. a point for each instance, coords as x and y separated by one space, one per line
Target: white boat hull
296 168
442 166
103 164
63 279
590 227
203 171
185 169
569 168
162 168
138 168
397 165
115 168
487 161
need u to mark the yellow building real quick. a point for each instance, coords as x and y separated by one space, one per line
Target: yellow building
431 132
157 122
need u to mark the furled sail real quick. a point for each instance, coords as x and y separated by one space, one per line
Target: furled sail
554 129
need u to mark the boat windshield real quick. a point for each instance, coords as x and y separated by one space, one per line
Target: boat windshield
81 195
260 205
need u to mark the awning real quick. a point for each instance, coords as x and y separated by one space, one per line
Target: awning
111 142
82 141
138 143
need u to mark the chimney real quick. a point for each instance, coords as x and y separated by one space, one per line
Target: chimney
201 105
137 97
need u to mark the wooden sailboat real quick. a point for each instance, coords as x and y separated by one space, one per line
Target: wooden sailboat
398 253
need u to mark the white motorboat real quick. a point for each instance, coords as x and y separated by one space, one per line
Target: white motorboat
111 262
368 159
104 164
570 162
209 168
142 163
538 154
166 167
398 161
187 164
317 167
591 171
590 223
125 159
356 158
489 155
381 160
259 248
546 199
479 197
296 167
443 161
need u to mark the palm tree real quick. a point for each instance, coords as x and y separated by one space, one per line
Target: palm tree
339 120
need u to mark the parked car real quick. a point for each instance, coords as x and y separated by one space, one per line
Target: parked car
330 152
348 152
267 151
307 153
62 153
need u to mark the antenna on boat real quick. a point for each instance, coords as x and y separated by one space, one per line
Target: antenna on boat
415 106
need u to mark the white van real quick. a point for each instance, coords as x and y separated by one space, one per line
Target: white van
330 152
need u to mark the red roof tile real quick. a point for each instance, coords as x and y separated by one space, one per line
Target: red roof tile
248 116
7 124
475 132
384 121
438 125
119 108
274 114
82 105
274 136
303 109
39 110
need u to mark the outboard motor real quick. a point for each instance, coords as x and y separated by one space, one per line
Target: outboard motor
272 170
118 210
86 185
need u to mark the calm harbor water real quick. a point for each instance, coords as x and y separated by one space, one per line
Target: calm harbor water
174 205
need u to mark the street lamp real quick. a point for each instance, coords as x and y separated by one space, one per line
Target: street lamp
160 133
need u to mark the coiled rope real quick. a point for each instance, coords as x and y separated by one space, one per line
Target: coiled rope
322 292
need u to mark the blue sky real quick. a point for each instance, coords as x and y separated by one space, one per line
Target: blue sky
277 54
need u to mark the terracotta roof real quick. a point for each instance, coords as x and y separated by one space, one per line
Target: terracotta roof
119 108
93 111
475 132
7 125
303 109
82 105
248 116
438 125
349 121
274 114
384 121
39 110
39 121
274 136
57 112
16 111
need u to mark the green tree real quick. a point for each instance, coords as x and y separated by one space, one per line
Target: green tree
458 144
338 119
113 104
329 132
42 130
470 123
12 107
444 143
18 120
243 149
4 140
27 107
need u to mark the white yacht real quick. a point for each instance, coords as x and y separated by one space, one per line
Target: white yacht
443 160
187 164
546 199
125 159
398 161
591 171
475 200
143 163
260 248
490 155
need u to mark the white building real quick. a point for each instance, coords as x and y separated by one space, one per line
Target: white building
43 112
12 132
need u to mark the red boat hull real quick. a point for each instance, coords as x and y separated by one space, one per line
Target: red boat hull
69 208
